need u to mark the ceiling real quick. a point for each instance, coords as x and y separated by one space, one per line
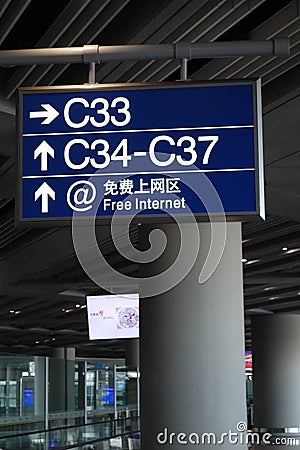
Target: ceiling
42 286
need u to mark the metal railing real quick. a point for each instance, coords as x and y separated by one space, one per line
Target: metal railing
112 433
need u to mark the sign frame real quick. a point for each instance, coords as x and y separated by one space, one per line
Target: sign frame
146 218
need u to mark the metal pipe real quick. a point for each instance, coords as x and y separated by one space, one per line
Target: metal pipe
115 393
138 391
183 70
136 52
92 72
21 397
62 55
85 394
275 47
181 50
46 388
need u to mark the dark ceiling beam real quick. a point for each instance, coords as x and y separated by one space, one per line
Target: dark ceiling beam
8 180
278 24
272 304
285 262
271 252
62 23
284 306
278 292
286 88
3 6
11 16
89 26
33 258
278 202
81 15
262 231
171 24
256 234
49 287
220 21
291 309
276 277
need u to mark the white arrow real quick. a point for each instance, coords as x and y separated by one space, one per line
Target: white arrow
49 113
44 191
43 150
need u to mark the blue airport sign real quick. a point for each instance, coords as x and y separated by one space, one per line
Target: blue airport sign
139 149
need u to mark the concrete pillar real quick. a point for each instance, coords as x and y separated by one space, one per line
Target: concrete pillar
81 386
276 372
132 361
192 351
70 378
132 352
12 373
39 386
57 381
58 353
61 380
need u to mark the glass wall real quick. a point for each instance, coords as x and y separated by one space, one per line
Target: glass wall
38 393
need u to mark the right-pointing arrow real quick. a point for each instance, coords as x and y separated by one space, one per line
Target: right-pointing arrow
44 191
43 150
49 113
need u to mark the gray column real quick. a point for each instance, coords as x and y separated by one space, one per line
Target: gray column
58 353
12 373
81 385
57 373
70 378
132 361
192 351
39 386
61 380
132 352
276 371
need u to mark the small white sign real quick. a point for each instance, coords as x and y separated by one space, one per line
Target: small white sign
113 316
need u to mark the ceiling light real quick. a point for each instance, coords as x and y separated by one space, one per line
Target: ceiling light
268 288
260 311
244 260
72 293
83 306
77 306
252 261
273 298
17 312
284 249
12 311
293 250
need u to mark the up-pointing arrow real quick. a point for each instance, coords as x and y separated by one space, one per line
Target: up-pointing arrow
44 191
49 113
43 150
